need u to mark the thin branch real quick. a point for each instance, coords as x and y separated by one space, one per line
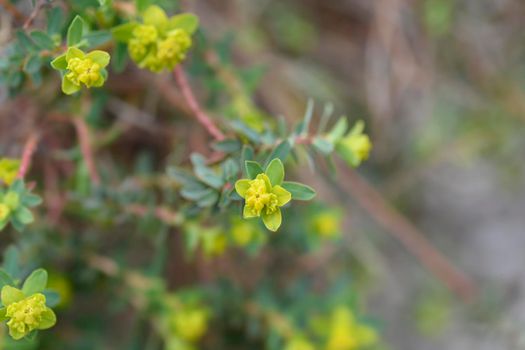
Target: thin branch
201 116
34 13
27 154
396 224
85 147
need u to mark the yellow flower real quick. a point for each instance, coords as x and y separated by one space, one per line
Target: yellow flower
346 333
191 323
262 197
327 224
81 69
158 42
355 147
299 343
244 233
8 170
4 211
28 314
214 242
172 50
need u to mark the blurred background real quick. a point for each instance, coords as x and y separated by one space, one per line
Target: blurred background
440 84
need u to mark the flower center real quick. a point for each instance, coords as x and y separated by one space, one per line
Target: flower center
258 198
83 70
26 314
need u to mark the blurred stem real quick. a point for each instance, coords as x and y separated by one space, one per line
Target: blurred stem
86 149
196 109
415 242
27 154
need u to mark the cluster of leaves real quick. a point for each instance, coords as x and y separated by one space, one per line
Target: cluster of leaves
15 202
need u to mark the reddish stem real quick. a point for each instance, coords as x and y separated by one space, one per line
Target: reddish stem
27 154
85 147
201 116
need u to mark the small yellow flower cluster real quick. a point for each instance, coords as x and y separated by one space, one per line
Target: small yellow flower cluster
346 333
159 42
355 146
85 71
299 343
8 170
190 323
27 314
9 203
150 50
327 224
258 198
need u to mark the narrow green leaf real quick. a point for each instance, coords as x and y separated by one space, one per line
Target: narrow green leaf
5 279
299 191
281 151
55 20
325 147
43 40
25 42
275 172
124 31
186 21
252 169
59 63
75 30
32 64
35 283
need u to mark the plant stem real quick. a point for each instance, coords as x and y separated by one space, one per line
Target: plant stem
85 147
201 116
27 154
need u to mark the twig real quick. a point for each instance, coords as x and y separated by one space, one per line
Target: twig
27 154
201 116
34 13
85 147
407 233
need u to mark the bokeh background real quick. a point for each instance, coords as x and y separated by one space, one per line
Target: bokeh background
440 85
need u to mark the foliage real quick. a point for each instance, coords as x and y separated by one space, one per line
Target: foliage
106 230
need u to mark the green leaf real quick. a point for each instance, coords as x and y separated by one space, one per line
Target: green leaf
186 21
323 146
124 32
245 130
272 221
68 87
43 40
59 63
24 215
227 146
11 295
209 177
155 16
142 5
26 43
208 200
338 130
75 30
120 57
5 279
31 200
17 186
252 169
55 20
302 128
299 191
275 171
52 297
35 283
195 193
281 151
98 38
12 260
32 64
48 319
